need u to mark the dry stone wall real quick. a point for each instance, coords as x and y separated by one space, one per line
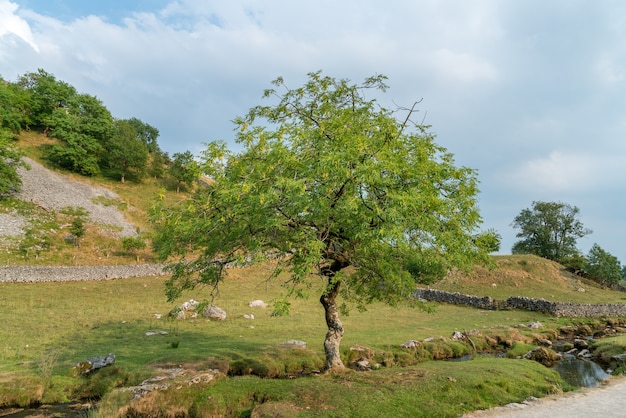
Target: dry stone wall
77 273
574 310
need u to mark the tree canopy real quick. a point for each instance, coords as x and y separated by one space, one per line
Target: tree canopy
87 136
339 187
549 230
603 266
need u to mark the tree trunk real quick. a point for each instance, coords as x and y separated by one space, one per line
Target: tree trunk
335 328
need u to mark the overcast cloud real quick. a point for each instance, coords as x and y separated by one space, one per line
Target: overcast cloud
530 93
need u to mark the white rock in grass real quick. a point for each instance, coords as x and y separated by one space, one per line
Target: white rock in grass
294 343
257 304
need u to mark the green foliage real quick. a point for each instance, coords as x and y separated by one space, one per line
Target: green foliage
88 139
146 134
281 308
130 245
337 180
47 96
78 227
489 240
184 169
126 154
549 230
603 266
339 187
10 181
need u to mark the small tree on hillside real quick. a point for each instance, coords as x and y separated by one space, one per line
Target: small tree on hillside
184 169
603 266
366 203
549 230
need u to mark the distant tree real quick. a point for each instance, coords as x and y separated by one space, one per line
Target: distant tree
10 159
125 153
47 94
624 272
82 129
603 266
147 134
14 106
367 203
159 161
184 169
549 230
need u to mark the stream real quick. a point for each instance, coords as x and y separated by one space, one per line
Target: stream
581 373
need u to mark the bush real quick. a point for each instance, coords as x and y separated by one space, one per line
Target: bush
130 245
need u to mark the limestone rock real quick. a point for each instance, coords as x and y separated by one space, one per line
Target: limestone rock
213 312
93 363
411 344
257 304
294 343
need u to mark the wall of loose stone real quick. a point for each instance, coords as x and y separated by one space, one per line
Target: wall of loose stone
77 273
574 310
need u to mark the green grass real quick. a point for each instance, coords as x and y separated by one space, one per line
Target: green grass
78 320
432 389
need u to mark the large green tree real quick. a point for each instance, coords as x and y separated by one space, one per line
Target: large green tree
603 266
126 155
549 230
366 203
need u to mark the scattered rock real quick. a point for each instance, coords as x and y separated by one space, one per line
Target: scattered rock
362 365
149 333
457 336
257 304
544 356
293 343
92 363
619 357
412 344
581 344
213 312
248 316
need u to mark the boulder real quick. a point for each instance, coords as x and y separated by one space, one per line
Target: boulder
411 344
213 312
544 356
257 304
581 344
92 364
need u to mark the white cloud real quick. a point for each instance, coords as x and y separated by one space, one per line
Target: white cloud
13 25
569 172
461 67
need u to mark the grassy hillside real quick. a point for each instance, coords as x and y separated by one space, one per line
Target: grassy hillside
51 227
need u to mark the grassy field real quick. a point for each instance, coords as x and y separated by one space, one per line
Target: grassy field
49 327
46 328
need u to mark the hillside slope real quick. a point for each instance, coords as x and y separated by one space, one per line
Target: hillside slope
530 276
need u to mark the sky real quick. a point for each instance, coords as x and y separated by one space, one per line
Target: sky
530 93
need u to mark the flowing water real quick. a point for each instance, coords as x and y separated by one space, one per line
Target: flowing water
582 373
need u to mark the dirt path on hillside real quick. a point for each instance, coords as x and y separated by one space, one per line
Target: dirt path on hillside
605 401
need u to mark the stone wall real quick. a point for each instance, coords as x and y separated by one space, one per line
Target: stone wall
574 310
77 273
